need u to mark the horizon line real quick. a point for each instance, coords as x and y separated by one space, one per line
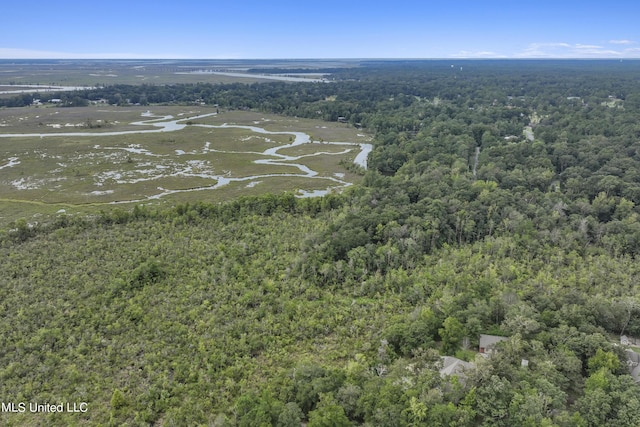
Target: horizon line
502 58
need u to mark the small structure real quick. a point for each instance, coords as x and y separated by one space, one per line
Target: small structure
633 362
488 343
454 366
624 340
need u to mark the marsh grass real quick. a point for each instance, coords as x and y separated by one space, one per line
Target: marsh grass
319 130
77 74
40 176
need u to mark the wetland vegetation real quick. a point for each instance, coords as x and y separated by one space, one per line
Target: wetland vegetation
76 159
500 197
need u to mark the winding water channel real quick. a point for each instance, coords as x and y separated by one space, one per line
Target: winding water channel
39 88
170 124
282 78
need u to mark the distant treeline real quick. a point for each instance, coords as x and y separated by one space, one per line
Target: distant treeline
381 88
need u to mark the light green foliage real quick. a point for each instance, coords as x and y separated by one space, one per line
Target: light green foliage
117 399
603 360
599 379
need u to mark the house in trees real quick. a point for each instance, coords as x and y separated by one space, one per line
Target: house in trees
488 342
633 362
626 340
454 366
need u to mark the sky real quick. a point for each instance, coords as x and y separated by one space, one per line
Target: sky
237 29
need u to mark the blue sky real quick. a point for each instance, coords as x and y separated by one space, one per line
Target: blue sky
323 29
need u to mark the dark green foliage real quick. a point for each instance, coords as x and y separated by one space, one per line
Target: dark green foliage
291 416
259 410
310 382
328 414
148 272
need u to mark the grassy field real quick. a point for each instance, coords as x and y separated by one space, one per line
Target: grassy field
83 160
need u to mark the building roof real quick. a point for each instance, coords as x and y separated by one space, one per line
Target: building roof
454 366
633 361
489 341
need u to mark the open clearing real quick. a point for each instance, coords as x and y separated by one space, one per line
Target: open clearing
80 160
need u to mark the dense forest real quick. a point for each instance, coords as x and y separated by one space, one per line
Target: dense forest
502 198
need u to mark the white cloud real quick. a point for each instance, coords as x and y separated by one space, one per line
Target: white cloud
536 50
587 46
557 50
621 42
566 50
11 53
476 54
